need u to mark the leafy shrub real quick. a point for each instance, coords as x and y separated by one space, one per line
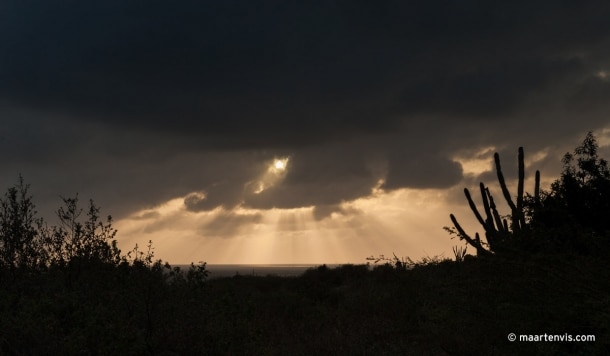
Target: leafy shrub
21 240
573 213
27 242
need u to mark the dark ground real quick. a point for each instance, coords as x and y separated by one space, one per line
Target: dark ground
442 308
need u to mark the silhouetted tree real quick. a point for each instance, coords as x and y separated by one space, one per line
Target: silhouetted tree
92 239
580 199
21 244
26 242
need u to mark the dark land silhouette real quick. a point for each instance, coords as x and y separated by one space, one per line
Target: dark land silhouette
68 289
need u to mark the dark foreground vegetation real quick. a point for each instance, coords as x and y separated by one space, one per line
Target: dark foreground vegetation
67 289
441 308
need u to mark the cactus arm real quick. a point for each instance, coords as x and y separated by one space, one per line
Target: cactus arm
497 218
503 183
520 183
537 189
474 243
490 230
486 206
514 212
520 214
461 231
473 207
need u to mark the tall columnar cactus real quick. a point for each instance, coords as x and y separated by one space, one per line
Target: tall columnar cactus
496 228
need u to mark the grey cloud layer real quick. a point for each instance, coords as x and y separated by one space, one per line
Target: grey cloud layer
243 73
142 103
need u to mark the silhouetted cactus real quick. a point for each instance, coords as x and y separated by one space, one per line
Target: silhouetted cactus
497 229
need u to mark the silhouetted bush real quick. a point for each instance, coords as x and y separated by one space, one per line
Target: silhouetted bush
574 213
28 243
88 240
22 242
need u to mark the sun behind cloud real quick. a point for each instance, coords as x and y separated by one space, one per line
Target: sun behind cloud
274 174
279 164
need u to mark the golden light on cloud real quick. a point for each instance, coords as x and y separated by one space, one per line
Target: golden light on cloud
477 162
604 137
405 222
534 157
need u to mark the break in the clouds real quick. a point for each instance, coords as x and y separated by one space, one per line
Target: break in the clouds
135 104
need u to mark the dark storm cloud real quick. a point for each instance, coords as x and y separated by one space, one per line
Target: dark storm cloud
236 72
244 73
321 175
140 103
488 90
592 94
422 172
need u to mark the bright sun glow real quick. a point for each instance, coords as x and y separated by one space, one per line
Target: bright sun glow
280 164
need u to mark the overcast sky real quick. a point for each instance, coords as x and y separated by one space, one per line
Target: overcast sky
293 131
